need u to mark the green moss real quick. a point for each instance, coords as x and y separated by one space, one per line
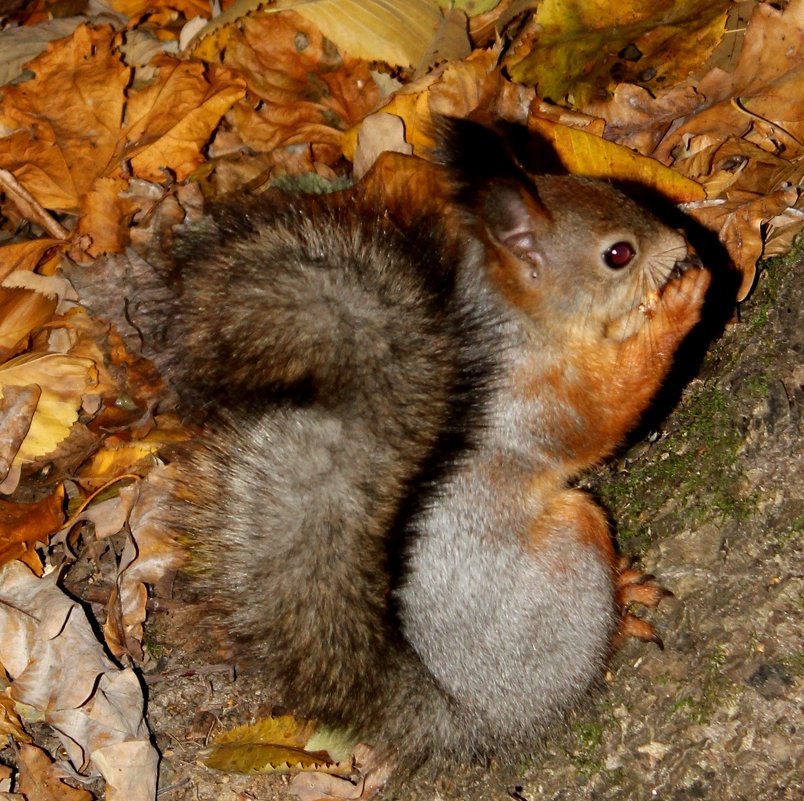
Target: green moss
716 691
586 753
698 459
154 648
794 664
766 290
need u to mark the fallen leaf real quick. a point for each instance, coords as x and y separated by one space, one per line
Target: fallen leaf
41 779
24 255
399 34
75 156
21 312
148 555
577 49
740 218
10 723
584 153
282 744
23 524
17 407
21 44
57 666
379 133
308 91
169 122
57 150
62 380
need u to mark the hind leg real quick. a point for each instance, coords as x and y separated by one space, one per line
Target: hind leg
577 512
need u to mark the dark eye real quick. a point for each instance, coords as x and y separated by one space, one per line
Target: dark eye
619 255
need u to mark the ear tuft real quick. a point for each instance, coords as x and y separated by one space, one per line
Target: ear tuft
471 151
487 180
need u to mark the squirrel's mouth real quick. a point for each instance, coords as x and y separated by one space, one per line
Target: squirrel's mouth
680 269
675 304
681 266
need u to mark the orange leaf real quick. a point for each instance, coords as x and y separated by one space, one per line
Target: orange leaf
24 255
172 120
21 311
66 120
27 523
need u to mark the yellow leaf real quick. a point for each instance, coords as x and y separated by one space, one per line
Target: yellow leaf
583 153
399 33
282 744
10 723
579 48
113 461
62 379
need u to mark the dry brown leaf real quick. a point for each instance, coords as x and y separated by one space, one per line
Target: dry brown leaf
784 228
24 255
103 216
309 92
189 8
148 555
59 668
740 218
41 779
768 82
457 89
73 156
17 407
638 119
399 33
169 122
57 150
379 133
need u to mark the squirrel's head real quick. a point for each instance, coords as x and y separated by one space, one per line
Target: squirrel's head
579 257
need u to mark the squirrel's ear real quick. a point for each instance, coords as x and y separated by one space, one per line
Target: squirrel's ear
513 217
487 180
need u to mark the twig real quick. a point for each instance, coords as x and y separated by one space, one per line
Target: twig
29 207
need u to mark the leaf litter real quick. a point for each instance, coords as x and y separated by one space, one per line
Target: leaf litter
117 121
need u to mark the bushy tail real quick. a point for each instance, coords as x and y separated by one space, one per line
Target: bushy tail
308 295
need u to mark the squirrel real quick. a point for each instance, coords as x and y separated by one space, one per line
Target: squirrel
379 505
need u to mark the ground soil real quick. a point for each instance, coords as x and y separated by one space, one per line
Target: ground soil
711 503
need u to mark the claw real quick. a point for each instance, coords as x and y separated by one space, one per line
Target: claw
633 626
635 587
